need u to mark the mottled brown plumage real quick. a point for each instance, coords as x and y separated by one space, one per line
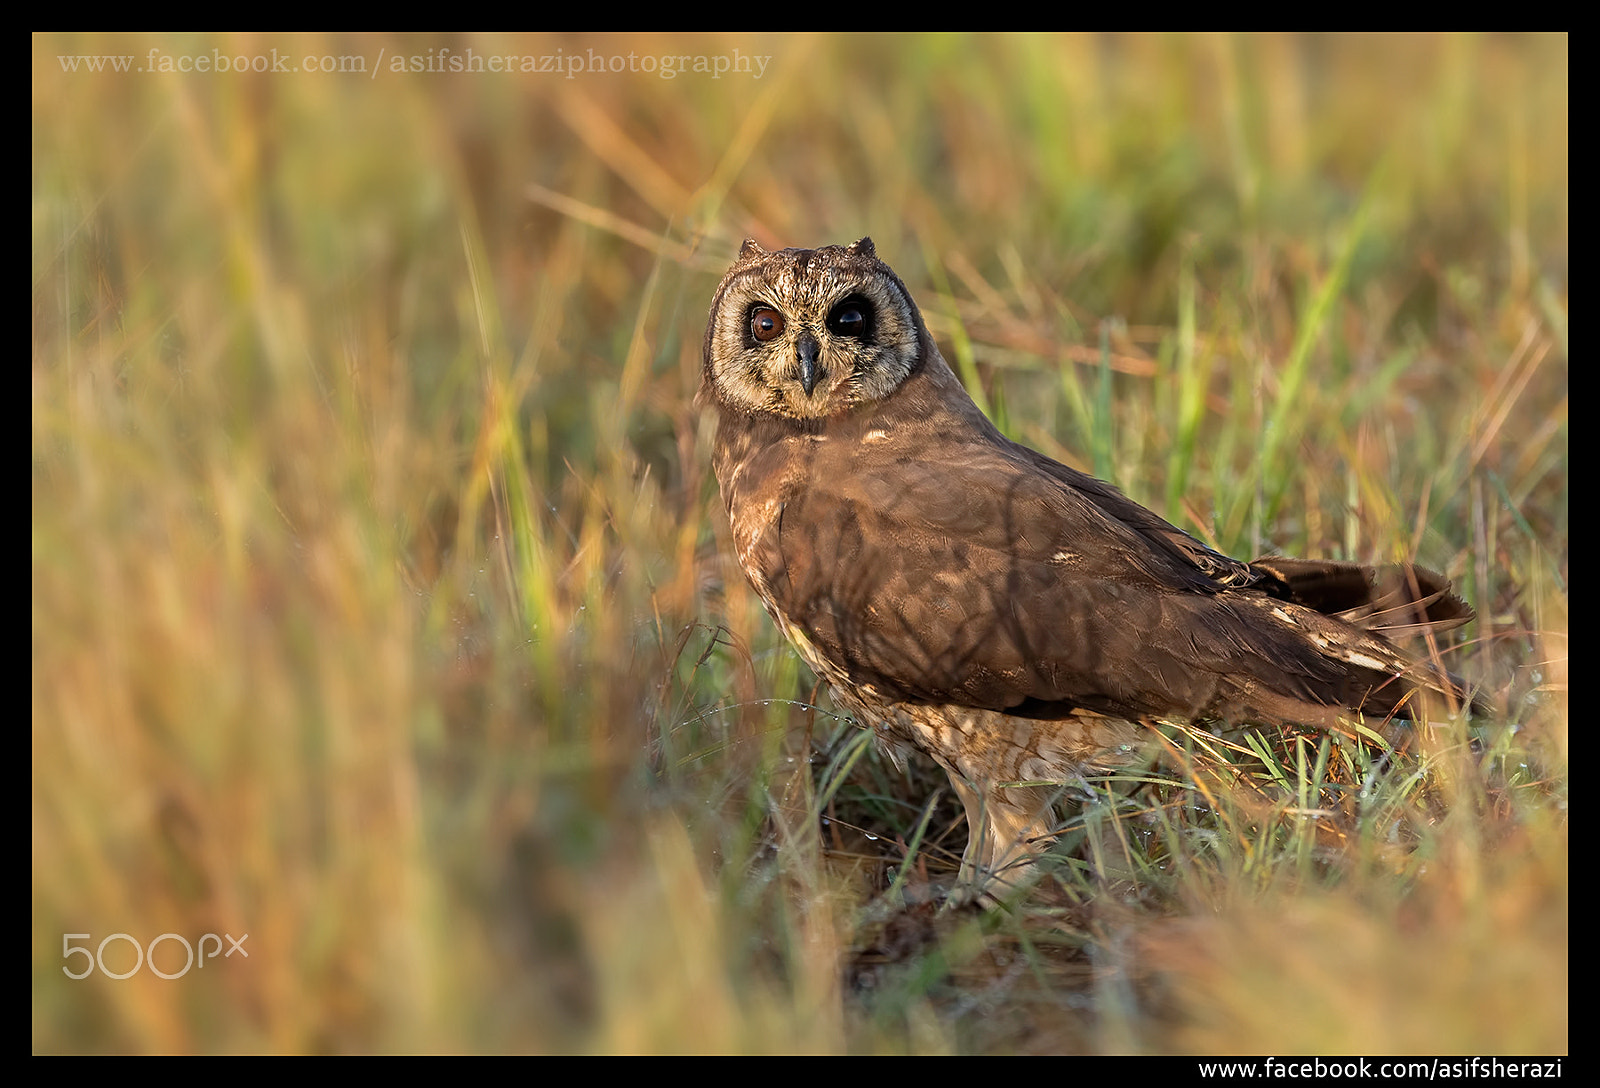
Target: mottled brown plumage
962 594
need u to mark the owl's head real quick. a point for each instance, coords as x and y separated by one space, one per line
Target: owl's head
810 333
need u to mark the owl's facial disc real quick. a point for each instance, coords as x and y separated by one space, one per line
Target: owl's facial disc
808 334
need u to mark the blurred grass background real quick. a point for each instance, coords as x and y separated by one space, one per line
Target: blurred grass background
380 607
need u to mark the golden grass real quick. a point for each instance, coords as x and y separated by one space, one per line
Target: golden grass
380 608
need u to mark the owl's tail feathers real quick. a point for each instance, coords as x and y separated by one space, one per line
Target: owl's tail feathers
1400 603
1423 691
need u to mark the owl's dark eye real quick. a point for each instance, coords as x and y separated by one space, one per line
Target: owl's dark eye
766 324
852 317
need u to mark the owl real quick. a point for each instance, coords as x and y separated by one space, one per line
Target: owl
966 596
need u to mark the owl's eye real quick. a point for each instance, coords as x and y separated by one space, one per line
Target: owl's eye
766 324
849 318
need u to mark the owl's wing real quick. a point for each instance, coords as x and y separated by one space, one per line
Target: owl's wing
1160 537
970 576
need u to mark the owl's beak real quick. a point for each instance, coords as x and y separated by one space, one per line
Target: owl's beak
808 349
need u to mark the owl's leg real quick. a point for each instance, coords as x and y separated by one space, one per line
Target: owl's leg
1006 829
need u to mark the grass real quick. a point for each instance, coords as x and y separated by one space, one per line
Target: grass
381 600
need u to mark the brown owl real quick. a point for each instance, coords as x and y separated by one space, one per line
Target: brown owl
1015 619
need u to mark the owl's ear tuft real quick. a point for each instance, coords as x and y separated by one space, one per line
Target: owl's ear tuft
751 248
863 248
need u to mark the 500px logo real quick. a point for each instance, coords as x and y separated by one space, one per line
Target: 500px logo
146 954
